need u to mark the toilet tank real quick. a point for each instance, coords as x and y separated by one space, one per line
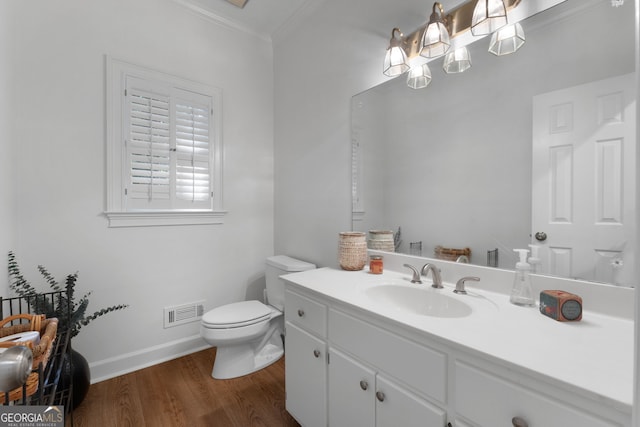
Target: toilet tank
276 267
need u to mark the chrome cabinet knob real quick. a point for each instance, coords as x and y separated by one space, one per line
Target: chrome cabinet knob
519 422
364 385
316 353
541 236
380 396
300 313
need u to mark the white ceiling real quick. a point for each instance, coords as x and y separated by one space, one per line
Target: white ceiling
260 17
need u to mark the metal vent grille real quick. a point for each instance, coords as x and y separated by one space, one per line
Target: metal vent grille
184 313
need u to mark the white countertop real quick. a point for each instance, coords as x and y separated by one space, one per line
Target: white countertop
594 354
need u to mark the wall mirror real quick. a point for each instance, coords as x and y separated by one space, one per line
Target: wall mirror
487 158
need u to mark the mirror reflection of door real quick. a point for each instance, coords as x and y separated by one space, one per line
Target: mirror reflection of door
583 196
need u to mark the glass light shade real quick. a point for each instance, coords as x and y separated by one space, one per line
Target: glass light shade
435 40
507 40
457 61
395 60
419 76
488 16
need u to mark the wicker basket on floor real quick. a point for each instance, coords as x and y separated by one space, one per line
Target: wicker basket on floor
21 323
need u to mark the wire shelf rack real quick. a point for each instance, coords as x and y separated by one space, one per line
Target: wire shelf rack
57 370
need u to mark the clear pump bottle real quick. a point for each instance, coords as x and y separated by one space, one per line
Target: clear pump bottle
521 293
534 259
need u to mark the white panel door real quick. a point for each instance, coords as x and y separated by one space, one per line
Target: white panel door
583 196
306 377
351 392
396 407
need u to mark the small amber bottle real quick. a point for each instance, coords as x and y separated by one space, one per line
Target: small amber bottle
375 264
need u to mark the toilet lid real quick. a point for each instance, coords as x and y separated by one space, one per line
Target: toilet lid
236 314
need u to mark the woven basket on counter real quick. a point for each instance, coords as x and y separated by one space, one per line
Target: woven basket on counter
21 323
352 251
451 254
381 240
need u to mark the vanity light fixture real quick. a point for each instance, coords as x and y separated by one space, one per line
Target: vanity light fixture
488 16
435 40
457 61
395 60
507 40
419 76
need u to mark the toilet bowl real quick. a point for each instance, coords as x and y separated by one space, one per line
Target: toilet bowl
249 335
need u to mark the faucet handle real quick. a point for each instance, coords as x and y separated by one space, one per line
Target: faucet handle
416 274
460 284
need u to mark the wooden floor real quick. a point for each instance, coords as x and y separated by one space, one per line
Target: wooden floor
181 392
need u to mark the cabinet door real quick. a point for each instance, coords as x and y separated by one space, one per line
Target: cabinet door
396 406
351 392
306 377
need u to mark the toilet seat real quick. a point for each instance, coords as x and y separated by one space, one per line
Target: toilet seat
236 315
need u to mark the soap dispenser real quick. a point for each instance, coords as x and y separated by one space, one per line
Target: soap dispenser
534 259
521 293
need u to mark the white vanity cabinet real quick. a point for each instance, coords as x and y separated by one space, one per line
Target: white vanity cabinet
306 360
349 365
376 384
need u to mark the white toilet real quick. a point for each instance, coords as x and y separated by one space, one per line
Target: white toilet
249 334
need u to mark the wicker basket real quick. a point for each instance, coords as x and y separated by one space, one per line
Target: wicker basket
451 254
20 323
381 240
352 251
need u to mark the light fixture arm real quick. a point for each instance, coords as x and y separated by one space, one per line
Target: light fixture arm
435 16
396 40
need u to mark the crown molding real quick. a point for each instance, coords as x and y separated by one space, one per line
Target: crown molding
221 20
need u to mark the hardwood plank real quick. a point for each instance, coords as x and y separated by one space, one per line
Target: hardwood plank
181 392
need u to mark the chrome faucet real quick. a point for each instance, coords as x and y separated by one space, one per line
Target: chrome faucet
416 274
435 273
460 284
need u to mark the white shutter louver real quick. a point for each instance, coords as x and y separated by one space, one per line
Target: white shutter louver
192 152
149 146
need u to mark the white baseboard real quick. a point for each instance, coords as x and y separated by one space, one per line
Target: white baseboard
115 366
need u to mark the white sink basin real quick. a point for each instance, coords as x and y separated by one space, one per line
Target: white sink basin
419 299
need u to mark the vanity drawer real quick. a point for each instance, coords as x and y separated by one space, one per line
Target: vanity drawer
487 400
418 366
306 313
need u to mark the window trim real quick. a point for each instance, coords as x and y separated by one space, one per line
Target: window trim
116 73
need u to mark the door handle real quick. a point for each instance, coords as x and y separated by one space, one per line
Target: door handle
541 236
519 422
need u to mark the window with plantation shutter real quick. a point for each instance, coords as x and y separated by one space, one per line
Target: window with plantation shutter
164 156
